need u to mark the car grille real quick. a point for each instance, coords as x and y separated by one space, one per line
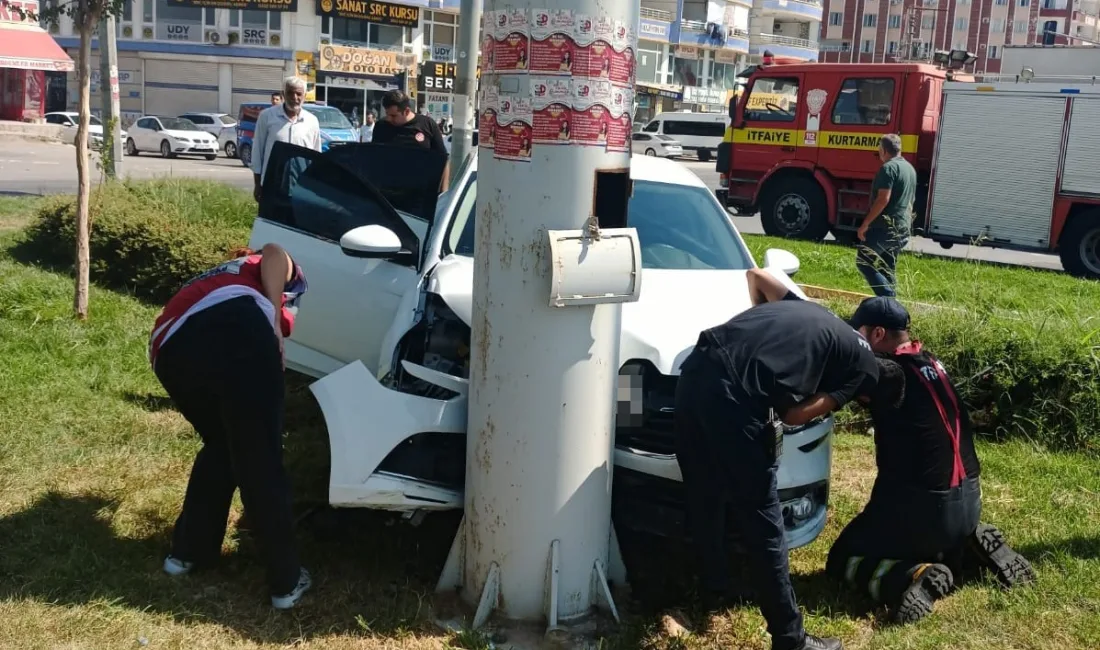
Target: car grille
648 425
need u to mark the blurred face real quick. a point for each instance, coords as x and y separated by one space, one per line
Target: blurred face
882 155
369 119
879 338
398 117
276 99
294 98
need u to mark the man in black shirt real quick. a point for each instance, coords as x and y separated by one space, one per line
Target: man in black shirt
922 520
787 356
401 126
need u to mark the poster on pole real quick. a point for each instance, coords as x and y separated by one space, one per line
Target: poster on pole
487 124
513 137
552 118
552 45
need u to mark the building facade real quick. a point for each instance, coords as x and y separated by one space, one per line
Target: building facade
875 31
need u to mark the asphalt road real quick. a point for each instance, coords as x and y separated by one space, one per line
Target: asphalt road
41 168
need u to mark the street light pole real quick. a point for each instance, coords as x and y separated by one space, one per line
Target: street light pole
469 26
108 93
554 260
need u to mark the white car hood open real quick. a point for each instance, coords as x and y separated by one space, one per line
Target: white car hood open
662 327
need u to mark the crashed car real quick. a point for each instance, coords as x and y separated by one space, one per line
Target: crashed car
385 327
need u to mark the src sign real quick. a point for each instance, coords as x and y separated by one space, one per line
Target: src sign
384 13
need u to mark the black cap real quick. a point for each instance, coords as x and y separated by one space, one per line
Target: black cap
880 311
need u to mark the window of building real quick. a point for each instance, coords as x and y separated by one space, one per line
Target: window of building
836 18
962 24
870 20
648 63
993 52
927 22
1020 26
1025 3
997 25
175 22
440 33
722 75
686 72
864 101
772 99
892 48
868 47
846 46
895 21
1054 4
1000 3
360 32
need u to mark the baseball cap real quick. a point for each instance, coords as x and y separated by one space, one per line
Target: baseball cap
880 311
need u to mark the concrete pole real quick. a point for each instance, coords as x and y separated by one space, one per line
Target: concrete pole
465 93
108 92
536 543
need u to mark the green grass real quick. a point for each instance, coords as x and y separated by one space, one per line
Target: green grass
93 463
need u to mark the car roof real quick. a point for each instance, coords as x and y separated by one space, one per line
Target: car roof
659 170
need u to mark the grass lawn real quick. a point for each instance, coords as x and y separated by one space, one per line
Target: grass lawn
93 463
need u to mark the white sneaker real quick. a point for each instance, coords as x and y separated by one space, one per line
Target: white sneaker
290 600
174 566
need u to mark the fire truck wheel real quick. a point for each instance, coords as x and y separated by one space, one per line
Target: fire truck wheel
794 207
1079 245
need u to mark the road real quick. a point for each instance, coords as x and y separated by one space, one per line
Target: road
41 168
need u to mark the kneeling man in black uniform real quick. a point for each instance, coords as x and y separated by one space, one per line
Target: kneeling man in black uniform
921 527
786 356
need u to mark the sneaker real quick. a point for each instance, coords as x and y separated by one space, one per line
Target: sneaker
290 600
987 544
174 566
930 583
817 643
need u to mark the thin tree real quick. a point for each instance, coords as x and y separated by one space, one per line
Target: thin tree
86 15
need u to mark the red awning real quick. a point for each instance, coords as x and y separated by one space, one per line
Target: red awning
29 47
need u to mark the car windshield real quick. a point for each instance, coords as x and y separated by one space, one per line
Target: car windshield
226 119
679 226
178 124
92 120
329 117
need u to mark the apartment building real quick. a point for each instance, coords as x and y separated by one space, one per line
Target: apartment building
875 31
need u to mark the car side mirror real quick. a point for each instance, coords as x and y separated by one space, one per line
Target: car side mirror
785 261
371 241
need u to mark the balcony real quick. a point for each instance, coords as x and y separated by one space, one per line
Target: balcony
784 46
656 14
694 32
797 9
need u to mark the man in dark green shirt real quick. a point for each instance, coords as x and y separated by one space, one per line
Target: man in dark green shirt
885 230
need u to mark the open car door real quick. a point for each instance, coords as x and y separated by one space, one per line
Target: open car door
310 200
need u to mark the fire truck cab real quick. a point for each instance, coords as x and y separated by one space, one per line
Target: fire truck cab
803 144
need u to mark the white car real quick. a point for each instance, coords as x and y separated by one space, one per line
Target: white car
68 119
655 144
220 125
171 137
451 135
385 325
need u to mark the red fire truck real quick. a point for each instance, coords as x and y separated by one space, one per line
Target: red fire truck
1009 165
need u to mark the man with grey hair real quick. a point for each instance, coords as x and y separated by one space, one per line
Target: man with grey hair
366 132
285 122
885 230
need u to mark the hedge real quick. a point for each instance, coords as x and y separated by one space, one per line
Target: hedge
1027 374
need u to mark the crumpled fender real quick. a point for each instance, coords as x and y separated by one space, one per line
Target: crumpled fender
366 421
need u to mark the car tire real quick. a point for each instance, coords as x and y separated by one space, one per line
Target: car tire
650 152
230 150
1079 245
211 156
246 155
131 147
704 155
166 150
795 208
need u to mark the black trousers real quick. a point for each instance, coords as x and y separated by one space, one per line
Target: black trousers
900 529
223 370
726 455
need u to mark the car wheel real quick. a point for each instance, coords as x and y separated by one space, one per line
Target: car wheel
650 152
704 155
212 156
131 147
1079 245
166 150
794 207
230 150
246 155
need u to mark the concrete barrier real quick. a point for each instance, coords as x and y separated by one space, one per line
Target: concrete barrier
36 132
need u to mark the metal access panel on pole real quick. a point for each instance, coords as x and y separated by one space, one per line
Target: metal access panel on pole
108 92
554 260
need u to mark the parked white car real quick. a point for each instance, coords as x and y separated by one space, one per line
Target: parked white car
386 327
220 125
451 135
68 119
655 144
171 137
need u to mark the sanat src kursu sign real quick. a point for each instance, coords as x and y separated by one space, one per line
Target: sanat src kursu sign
250 5
385 13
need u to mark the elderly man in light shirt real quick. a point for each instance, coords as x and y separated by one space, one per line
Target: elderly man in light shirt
285 122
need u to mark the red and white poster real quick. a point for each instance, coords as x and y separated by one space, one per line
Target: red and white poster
553 124
618 133
487 125
553 55
591 91
622 67
593 60
488 64
511 54
513 139
589 127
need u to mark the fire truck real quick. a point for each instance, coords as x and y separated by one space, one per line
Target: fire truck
1006 164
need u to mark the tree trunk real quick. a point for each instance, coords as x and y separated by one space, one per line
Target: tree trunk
86 21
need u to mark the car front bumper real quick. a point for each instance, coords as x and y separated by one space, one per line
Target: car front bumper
194 148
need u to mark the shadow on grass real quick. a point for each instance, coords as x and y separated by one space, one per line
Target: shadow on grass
150 402
1081 548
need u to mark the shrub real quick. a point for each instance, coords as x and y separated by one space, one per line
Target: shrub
147 237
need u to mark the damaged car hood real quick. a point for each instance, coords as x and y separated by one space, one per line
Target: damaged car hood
662 327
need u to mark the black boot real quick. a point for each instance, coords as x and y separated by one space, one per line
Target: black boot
930 582
817 643
988 548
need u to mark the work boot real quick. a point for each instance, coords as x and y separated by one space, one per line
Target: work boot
812 642
930 582
987 546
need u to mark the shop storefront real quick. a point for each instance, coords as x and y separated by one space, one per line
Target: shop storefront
705 100
653 99
27 53
353 79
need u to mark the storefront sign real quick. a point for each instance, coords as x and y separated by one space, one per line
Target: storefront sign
384 13
442 53
652 30
697 95
364 61
179 31
657 91
725 56
254 36
305 68
10 11
357 82
687 52
247 5
437 77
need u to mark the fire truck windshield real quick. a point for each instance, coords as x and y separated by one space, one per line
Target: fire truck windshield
773 99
